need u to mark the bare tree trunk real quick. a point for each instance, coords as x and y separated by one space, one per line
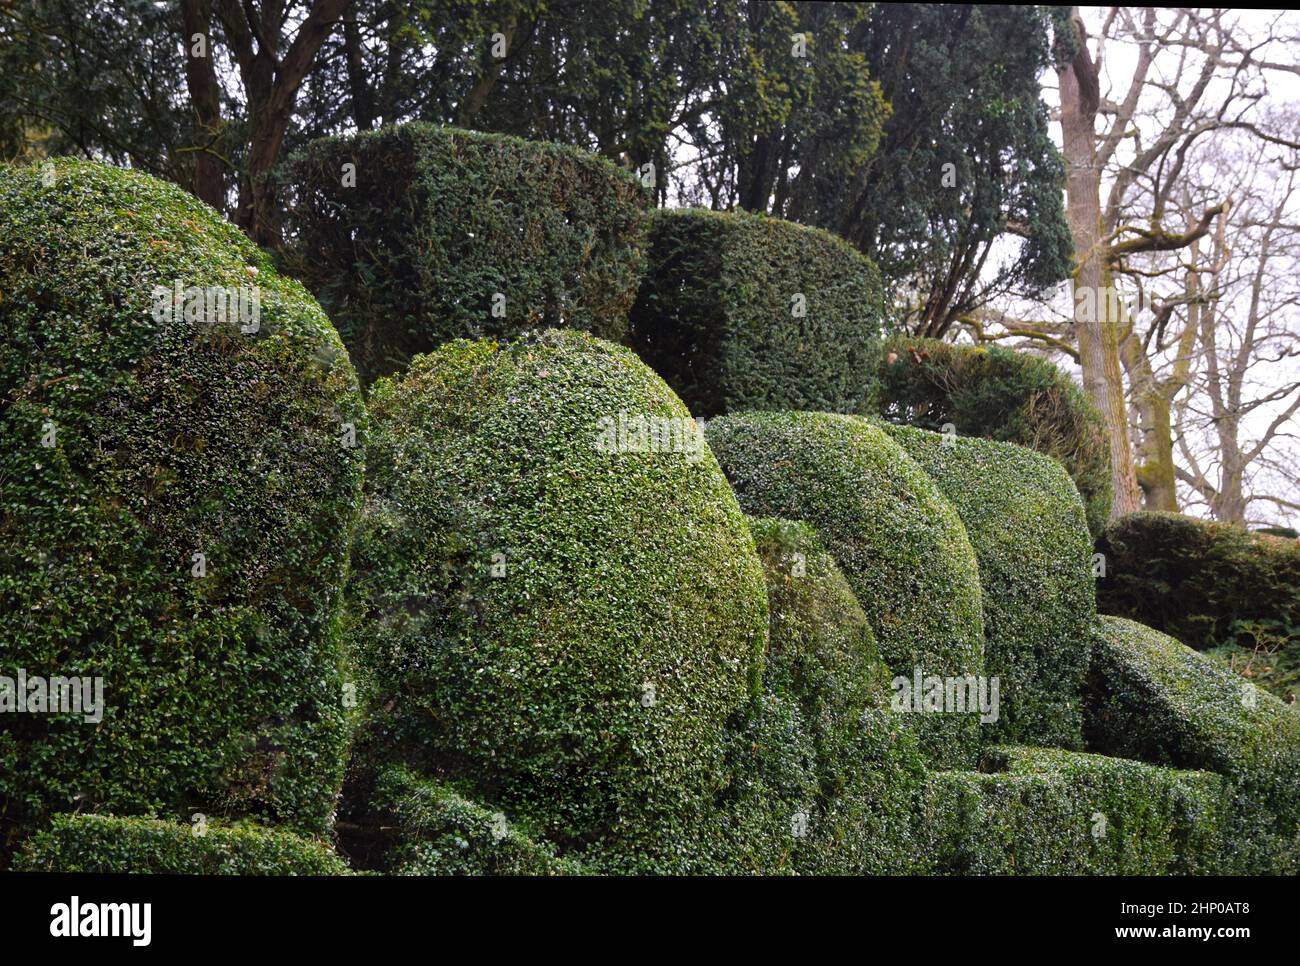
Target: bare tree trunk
271 83
1095 322
205 98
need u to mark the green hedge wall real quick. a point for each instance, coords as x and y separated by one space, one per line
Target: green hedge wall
900 544
822 775
999 394
174 434
584 689
1151 698
103 844
1202 582
436 831
1026 523
440 221
715 314
1033 811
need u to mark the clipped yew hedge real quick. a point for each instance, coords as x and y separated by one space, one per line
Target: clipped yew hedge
997 393
558 606
1034 811
135 434
449 233
1151 698
899 543
716 314
107 845
821 775
1027 527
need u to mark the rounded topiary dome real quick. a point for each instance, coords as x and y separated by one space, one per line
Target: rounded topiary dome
900 544
558 599
175 509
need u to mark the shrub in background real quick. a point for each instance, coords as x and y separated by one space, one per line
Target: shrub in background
1026 523
557 599
1151 698
1200 581
134 434
900 544
739 311
1034 811
999 394
441 223
103 844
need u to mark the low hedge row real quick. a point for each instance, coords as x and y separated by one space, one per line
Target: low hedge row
176 509
442 234
739 311
1032 811
999 394
105 844
435 831
1151 698
900 544
1026 523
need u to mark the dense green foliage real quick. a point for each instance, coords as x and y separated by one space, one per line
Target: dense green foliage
995 393
1207 584
104 844
449 234
822 776
1151 698
1026 524
743 312
967 150
435 831
1032 811
900 544
585 688
132 439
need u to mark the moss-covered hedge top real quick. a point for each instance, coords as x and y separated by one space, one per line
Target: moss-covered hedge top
901 545
416 234
1000 394
106 845
556 588
1026 523
1202 582
1152 698
739 311
135 434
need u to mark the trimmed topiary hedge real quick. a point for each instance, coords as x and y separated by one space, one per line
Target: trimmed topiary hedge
739 311
1151 698
557 597
900 544
1027 526
448 233
996 393
438 832
136 432
823 775
1207 584
1033 811
104 844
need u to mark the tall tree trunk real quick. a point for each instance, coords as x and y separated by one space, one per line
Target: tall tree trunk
205 100
1097 327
